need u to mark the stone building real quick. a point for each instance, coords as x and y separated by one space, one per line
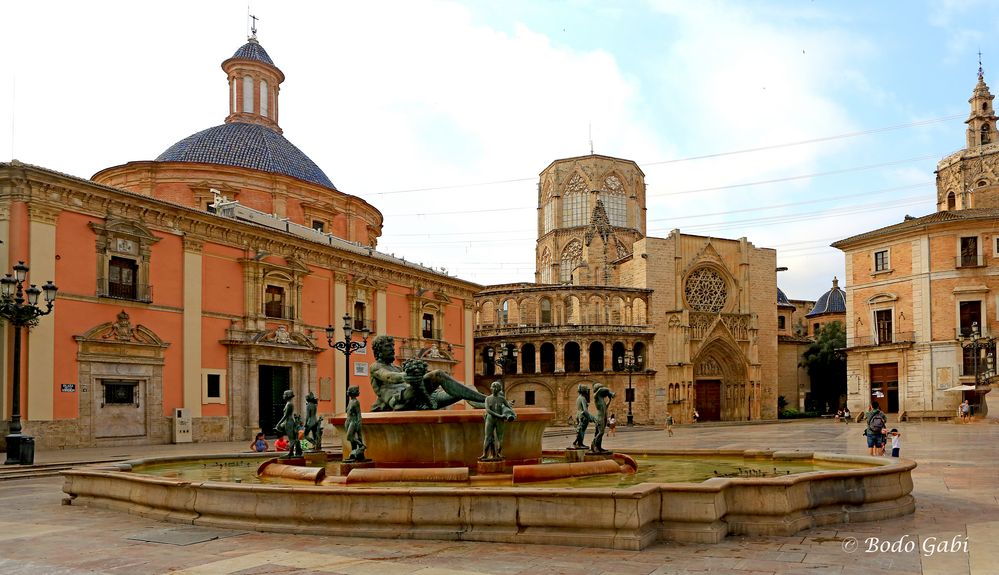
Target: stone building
916 287
793 383
253 252
699 312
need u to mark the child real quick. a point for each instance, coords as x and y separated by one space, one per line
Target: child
611 424
896 442
669 424
281 443
259 443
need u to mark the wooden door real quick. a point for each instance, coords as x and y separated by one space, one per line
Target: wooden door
708 402
884 386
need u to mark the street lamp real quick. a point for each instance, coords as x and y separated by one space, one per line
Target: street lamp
506 358
20 314
983 351
631 364
347 347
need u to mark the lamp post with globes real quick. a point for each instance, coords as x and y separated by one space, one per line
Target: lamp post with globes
19 306
631 364
982 349
347 347
507 357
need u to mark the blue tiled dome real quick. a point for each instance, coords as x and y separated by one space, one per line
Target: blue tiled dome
833 301
252 50
246 146
781 298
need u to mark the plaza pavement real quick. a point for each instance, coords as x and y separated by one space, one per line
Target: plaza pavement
956 491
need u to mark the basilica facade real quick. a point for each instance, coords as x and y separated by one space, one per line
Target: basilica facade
199 285
671 325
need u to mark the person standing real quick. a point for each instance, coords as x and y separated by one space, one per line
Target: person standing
669 424
965 411
896 442
611 425
876 420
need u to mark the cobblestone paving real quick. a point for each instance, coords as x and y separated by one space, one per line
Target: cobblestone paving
956 490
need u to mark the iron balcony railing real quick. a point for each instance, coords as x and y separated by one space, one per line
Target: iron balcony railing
484 330
278 311
882 339
970 261
360 324
431 334
134 292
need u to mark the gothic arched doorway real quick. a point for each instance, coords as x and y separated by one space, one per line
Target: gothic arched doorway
721 386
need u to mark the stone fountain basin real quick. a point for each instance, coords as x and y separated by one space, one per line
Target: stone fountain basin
617 518
444 438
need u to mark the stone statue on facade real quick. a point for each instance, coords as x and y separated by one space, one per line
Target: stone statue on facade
313 424
602 397
583 415
413 388
498 412
353 426
289 425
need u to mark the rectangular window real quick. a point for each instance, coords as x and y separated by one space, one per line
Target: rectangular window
881 263
319 225
815 329
574 210
120 393
122 273
780 322
359 314
971 316
549 217
882 320
529 397
274 301
969 252
212 386
428 325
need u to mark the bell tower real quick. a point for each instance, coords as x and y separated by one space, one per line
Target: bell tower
982 120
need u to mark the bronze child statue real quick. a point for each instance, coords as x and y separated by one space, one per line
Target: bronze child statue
498 412
353 425
289 425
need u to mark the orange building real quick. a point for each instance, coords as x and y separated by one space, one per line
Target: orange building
203 281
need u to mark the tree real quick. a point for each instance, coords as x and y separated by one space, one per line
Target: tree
825 361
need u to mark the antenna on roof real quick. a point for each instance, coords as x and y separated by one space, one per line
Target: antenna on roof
253 25
981 75
590 127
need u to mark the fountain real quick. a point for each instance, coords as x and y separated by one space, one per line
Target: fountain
443 474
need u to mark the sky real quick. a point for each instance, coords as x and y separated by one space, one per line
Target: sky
790 123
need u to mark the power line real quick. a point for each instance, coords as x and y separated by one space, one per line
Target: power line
700 157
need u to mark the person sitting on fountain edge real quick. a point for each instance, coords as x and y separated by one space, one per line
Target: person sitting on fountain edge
436 389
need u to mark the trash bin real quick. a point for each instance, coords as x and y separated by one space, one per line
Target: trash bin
27 450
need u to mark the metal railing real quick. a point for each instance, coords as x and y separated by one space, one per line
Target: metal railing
484 330
431 334
360 324
970 261
134 292
278 311
884 339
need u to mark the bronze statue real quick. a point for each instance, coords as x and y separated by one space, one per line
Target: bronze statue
602 397
289 425
498 412
413 388
353 425
313 424
583 415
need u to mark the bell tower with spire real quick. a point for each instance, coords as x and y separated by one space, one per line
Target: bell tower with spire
982 121
254 84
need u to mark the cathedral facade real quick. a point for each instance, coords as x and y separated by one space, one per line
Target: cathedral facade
673 324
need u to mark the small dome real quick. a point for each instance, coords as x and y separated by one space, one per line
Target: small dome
833 301
252 50
782 300
247 146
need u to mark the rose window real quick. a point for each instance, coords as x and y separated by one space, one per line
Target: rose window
706 291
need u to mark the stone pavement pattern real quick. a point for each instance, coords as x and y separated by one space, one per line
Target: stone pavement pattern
956 490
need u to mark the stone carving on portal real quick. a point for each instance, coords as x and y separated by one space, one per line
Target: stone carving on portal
281 336
122 331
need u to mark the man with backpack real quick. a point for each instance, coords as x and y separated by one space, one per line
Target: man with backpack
875 432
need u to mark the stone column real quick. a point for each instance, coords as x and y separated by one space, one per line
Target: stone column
38 402
192 283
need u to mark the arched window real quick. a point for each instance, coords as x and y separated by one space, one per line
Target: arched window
546 311
545 266
527 358
263 98
247 94
574 205
547 358
951 201
504 313
596 356
571 357
489 368
639 351
617 356
985 134
572 255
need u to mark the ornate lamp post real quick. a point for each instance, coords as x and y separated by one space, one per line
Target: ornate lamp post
983 351
631 364
506 358
347 347
20 314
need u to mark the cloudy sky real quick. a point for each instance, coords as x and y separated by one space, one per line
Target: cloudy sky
792 124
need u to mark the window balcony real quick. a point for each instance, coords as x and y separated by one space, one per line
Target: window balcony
278 311
899 337
361 324
133 292
970 261
432 334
